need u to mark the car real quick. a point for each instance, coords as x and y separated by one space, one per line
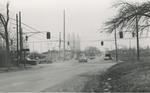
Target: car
107 56
83 59
30 61
91 57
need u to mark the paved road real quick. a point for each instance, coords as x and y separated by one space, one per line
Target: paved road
45 77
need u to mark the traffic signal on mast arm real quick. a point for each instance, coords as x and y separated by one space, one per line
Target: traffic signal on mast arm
26 38
133 34
48 35
102 43
68 43
121 34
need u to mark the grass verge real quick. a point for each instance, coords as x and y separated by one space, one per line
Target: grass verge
122 77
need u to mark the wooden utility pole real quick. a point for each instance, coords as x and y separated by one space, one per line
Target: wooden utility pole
116 48
64 24
21 39
59 43
137 37
17 39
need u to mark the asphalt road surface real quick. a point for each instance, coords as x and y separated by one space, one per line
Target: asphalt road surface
58 77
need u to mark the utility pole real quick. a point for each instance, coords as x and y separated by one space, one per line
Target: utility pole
17 39
130 44
137 37
116 48
21 39
64 24
59 43
33 49
74 44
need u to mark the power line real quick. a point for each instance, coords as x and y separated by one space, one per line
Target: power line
44 41
30 30
38 31
27 25
112 39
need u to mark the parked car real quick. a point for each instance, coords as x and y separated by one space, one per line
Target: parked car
30 61
91 57
107 56
83 59
45 61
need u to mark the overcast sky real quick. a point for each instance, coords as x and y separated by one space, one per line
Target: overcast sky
83 17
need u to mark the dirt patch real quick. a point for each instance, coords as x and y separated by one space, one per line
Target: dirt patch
75 84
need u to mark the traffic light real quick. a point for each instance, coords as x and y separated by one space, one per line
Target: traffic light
26 38
121 34
133 34
68 43
102 43
48 35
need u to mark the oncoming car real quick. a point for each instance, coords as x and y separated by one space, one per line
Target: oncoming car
82 58
107 56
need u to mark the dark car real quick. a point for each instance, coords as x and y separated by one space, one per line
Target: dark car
91 57
107 56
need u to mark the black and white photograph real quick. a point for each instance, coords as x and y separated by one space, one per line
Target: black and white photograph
74 46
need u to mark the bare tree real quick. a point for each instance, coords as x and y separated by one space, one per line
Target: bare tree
131 17
5 21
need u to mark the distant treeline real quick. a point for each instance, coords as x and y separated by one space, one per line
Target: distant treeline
131 54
